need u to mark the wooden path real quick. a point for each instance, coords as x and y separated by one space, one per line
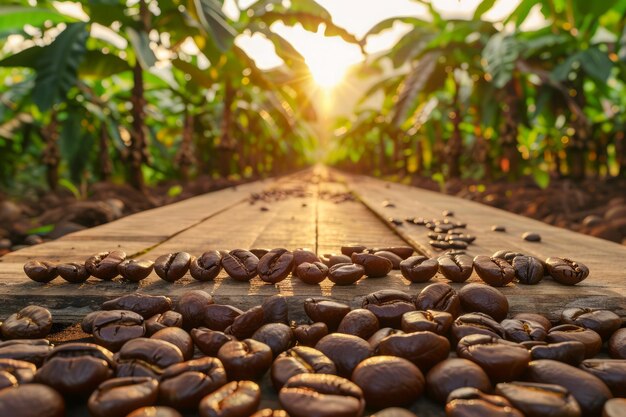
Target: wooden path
319 210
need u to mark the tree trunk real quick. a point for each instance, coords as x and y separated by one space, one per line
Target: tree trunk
620 153
106 167
226 139
50 157
419 157
454 148
185 157
509 130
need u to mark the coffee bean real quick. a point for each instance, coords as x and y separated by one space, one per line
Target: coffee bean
73 272
275 265
476 323
388 306
611 371
142 304
209 341
309 335
246 359
469 402
614 408
219 317
500 359
603 322
112 329
117 397
146 357
494 271
359 322
571 352
589 391
348 250
424 349
571 332
531 237
528 269
157 322
392 257
104 265
172 266
617 344
155 412
300 360
394 412
537 318
206 267
419 268
375 266
438 322
259 252
454 373
519 331
402 251
31 400
41 271
507 255
440 297
321 395
379 336
247 323
331 260
235 399
538 400
326 311
240 264
32 322
498 228
179 338
345 273
24 372
33 351
565 271
183 385
345 350
456 268
134 270
192 306
275 309
388 381
278 336
484 299
312 273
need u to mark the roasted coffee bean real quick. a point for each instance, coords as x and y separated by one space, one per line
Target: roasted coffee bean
172 266
402 251
484 299
392 257
507 255
494 271
157 322
331 260
312 273
615 407
588 390
603 322
73 272
118 397
142 304
134 270
300 360
209 341
531 237
41 271
498 228
611 371
86 323
326 311
375 266
219 317
28 350
388 306
476 323
539 400
206 267
519 331
438 322
301 256
179 338
345 350
379 336
348 250
571 332
424 349
31 400
247 323
537 318
394 412
456 268
346 273
617 344
454 373
470 402
32 322
388 381
309 335
258 252
183 385
275 309
565 271
246 359
7 380
104 265
275 265
359 322
22 371
192 306
155 412
444 245
571 352
419 268
321 395
278 336
76 369
500 359
240 264
146 357
528 269
113 328
235 399
268 412
440 297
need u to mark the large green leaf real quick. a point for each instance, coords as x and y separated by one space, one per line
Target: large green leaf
14 18
521 12
597 64
310 22
141 45
592 9
483 8
98 65
200 77
389 23
214 22
27 58
58 65
499 57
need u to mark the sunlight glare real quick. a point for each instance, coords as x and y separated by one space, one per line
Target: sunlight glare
327 72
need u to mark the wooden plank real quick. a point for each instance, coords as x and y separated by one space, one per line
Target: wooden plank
604 288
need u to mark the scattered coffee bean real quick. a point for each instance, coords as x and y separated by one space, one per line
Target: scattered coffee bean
345 350
173 266
454 373
104 265
531 237
183 385
571 332
440 297
346 274
240 264
158 411
206 267
134 270
424 349
572 352
464 402
456 268
300 360
565 271
498 228
32 322
388 306
31 400
348 250
419 268
118 397
247 359
41 271
209 341
494 271
617 344
484 299
326 311
312 273
538 400
359 322
275 265
301 256
500 359
73 272
235 399
309 335
603 322
375 266
142 304
611 371
157 322
528 269
192 306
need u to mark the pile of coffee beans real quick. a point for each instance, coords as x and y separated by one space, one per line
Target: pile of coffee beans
353 263
149 356
445 233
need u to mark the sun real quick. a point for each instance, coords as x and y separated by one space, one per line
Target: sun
327 73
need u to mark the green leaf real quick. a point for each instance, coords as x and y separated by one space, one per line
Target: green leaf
499 57
541 177
213 20
27 58
521 12
389 23
71 187
597 64
98 65
592 9
483 8
174 191
14 18
201 77
310 22
40 230
58 65
561 71
141 45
